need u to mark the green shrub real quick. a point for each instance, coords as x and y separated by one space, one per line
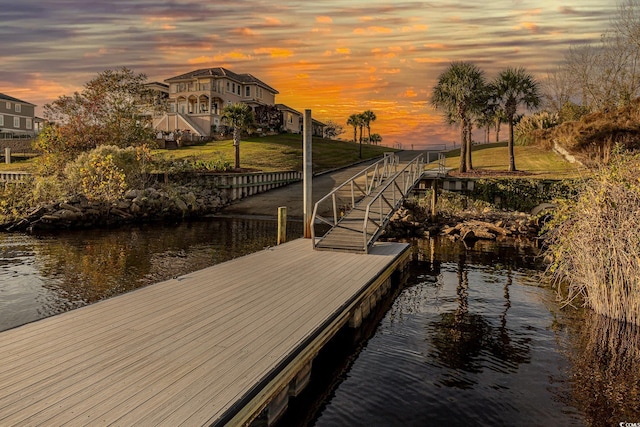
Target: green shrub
106 172
191 164
523 131
15 200
523 194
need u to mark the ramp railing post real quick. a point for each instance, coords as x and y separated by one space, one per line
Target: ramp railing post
308 173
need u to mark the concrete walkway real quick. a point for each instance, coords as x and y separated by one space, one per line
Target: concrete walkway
266 204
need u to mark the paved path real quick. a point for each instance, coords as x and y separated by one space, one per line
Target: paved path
266 204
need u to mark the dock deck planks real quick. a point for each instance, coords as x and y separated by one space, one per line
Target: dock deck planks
184 351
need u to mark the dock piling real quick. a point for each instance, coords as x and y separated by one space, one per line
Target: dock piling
282 224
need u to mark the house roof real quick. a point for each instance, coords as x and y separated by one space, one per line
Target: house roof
283 107
12 99
221 72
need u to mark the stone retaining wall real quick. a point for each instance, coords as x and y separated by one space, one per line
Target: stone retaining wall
136 206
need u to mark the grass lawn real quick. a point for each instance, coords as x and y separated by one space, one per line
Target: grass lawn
269 153
531 161
278 152
19 163
284 152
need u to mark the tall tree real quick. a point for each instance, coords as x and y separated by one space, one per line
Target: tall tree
239 117
514 88
457 95
332 130
355 120
110 110
367 117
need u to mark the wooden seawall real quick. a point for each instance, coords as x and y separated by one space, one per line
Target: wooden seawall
219 346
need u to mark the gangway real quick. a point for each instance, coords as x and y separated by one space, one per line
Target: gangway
361 207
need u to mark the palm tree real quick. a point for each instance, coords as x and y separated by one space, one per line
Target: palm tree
355 120
515 87
486 116
457 96
368 117
375 138
239 117
361 126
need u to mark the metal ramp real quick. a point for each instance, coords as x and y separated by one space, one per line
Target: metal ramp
358 210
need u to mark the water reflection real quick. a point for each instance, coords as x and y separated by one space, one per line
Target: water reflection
47 274
467 341
605 369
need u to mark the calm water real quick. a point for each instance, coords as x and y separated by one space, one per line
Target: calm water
471 339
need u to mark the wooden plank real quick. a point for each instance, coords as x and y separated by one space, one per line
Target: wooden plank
184 349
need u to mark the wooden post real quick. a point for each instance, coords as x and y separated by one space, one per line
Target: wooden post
434 199
307 173
7 155
282 224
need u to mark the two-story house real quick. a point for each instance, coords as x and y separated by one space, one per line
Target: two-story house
196 99
16 117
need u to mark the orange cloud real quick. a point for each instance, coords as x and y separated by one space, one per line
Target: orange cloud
380 54
324 19
373 30
437 46
529 26
417 27
272 22
343 51
273 52
248 32
165 21
391 71
430 60
409 93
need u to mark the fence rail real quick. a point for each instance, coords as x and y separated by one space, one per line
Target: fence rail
388 199
13 176
357 222
238 185
344 198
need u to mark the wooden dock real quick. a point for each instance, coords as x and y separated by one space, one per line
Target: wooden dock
215 347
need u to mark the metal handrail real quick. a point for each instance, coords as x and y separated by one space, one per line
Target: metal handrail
407 177
372 177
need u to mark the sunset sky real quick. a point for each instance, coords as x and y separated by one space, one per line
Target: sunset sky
335 57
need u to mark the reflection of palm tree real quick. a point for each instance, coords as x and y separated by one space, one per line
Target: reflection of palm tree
459 337
501 345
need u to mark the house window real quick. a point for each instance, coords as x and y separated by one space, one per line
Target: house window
18 108
29 124
1 120
16 122
227 86
172 108
247 91
233 88
8 105
290 118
